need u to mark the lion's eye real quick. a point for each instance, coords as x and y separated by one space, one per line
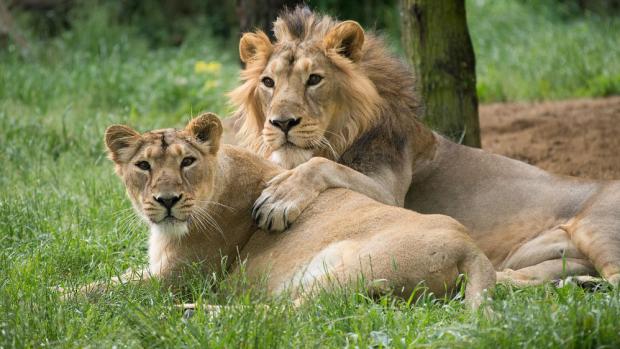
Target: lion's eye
143 165
187 161
268 82
314 79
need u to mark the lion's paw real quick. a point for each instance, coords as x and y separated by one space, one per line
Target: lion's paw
281 203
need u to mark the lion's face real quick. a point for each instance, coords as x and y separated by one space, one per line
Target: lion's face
304 96
167 173
298 91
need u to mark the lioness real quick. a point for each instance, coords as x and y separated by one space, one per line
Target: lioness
197 200
328 100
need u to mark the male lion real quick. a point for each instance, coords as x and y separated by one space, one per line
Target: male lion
197 198
327 90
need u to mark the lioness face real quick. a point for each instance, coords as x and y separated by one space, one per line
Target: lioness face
304 90
166 172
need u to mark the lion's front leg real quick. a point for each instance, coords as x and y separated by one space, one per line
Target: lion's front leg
289 193
601 244
285 197
596 231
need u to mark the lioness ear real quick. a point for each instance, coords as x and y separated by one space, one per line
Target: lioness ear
119 139
348 38
207 129
252 45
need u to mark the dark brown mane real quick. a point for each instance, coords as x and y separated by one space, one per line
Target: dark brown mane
301 24
295 19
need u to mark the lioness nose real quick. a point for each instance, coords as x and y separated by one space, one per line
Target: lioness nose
168 201
285 124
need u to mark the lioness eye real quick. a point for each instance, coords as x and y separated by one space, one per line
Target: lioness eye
187 161
314 79
268 82
143 165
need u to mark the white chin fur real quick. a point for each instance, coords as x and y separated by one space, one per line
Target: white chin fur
290 157
170 229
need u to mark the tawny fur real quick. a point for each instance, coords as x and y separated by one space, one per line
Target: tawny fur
342 235
526 221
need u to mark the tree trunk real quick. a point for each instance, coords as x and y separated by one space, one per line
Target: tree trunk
8 30
438 46
260 14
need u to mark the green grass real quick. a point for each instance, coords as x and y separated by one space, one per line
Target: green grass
64 219
539 50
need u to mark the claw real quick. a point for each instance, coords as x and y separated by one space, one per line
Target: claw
257 206
267 219
285 219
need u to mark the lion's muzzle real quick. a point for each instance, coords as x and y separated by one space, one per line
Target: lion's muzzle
285 123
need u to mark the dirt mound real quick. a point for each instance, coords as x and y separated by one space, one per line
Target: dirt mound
575 137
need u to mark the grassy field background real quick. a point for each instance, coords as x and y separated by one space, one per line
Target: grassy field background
64 219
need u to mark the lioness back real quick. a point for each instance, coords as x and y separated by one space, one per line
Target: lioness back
344 228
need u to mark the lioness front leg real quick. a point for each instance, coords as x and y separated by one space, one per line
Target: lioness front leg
289 193
100 287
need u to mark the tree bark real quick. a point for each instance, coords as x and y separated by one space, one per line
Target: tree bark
7 28
438 46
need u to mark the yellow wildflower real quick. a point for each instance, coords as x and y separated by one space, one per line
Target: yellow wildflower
210 85
212 67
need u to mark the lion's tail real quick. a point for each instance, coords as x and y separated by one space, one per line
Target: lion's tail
480 276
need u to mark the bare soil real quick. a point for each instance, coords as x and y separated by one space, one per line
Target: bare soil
574 137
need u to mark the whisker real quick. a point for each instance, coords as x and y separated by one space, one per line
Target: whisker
209 220
198 217
128 223
331 148
208 202
323 143
122 211
341 138
200 225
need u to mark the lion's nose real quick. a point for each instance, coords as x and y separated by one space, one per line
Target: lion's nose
285 124
168 201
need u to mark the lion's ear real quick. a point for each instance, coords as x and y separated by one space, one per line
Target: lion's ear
253 46
206 129
347 38
120 139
